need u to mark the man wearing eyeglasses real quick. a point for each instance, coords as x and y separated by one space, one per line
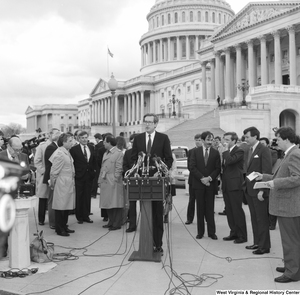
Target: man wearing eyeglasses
155 144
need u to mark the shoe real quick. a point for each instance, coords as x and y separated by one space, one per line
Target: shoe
159 250
280 269
283 279
106 226
63 234
240 241
70 231
198 237
272 227
252 247
105 219
130 230
88 220
213 237
188 222
41 223
230 238
222 213
52 226
80 222
91 213
261 251
114 228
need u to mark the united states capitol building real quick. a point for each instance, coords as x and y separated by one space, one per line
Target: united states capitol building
197 50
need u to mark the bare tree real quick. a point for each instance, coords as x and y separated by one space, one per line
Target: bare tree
12 128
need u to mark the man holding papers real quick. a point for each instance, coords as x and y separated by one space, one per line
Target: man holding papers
285 203
258 159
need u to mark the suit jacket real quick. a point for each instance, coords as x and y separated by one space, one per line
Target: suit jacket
199 170
245 147
50 149
22 158
160 147
261 162
190 181
81 165
284 198
233 169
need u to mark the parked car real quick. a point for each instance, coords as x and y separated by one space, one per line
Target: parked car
181 153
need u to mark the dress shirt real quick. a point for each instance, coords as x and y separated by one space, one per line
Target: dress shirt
152 138
254 147
286 152
88 152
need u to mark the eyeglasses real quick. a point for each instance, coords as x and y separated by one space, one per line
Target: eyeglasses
148 122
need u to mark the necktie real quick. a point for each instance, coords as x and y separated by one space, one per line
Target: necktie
250 154
149 144
85 153
206 156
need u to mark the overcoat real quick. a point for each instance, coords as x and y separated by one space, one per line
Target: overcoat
110 180
62 176
42 189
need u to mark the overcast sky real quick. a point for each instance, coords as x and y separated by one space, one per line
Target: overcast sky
55 51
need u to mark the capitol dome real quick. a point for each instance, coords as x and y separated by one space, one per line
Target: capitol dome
175 31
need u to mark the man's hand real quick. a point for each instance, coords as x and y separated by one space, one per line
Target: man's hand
260 195
206 180
259 176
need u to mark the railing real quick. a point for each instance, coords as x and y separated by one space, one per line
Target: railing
249 105
168 116
274 87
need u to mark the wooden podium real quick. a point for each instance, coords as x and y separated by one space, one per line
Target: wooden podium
146 190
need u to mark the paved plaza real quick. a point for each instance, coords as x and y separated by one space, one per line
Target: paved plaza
189 266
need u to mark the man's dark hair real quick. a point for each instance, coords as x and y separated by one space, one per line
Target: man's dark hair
253 131
155 117
265 139
121 134
197 136
243 138
98 135
106 134
205 134
286 133
63 138
297 140
218 137
111 140
82 133
233 135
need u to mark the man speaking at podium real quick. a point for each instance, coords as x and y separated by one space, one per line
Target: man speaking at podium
153 144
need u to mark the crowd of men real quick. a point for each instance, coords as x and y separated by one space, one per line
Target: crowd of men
231 164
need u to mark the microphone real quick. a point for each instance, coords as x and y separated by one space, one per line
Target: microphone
141 157
148 161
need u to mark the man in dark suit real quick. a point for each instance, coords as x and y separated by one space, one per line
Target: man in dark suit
205 164
132 204
192 198
156 144
259 160
50 149
232 187
99 144
85 171
285 203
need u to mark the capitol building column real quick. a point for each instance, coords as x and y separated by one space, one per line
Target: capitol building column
105 110
277 56
161 51
292 55
125 108
169 49
133 102
142 104
203 68
187 46
129 107
178 48
93 110
263 60
148 54
212 76
137 106
217 73
142 56
250 63
228 76
154 51
239 93
101 110
109 109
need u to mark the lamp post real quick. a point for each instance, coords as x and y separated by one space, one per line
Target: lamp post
173 101
243 87
113 85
